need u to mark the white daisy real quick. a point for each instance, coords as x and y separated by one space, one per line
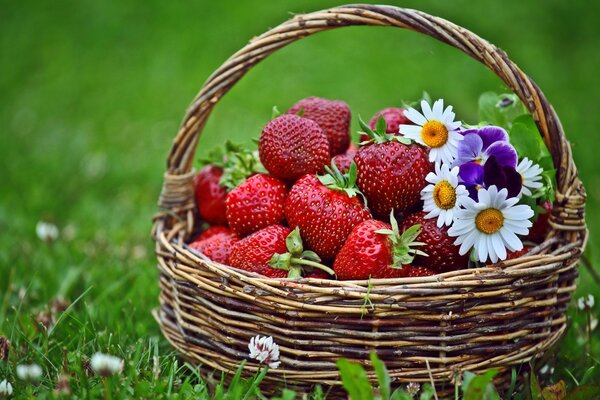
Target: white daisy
444 195
491 225
435 128
531 174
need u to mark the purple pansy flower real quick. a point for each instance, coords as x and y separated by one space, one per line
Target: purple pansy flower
480 144
476 176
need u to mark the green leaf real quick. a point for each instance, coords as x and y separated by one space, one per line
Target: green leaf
400 394
286 394
354 379
534 386
275 112
381 125
383 376
585 392
293 242
526 141
587 375
427 392
500 109
480 387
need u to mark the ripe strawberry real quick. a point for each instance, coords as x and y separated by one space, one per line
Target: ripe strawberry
256 203
333 117
276 252
391 171
225 171
291 146
326 209
343 161
393 117
212 231
516 254
210 195
218 246
442 253
541 226
376 249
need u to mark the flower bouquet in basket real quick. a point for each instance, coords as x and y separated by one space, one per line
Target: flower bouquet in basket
435 246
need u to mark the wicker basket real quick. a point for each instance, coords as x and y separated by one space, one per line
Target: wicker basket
423 328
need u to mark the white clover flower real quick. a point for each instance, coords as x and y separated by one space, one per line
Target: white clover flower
435 128
6 389
444 195
413 388
531 175
46 231
491 225
264 350
31 373
593 323
585 302
106 365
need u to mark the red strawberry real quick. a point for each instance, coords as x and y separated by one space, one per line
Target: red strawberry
218 246
274 251
393 117
541 226
212 231
225 171
256 203
376 249
210 195
516 254
391 172
291 146
326 209
333 117
343 161
442 253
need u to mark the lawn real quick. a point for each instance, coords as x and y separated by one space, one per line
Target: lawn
92 94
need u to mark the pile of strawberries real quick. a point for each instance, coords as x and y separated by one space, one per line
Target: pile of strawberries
309 203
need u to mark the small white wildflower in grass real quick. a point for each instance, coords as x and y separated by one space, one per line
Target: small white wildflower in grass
585 302
593 323
46 231
264 350
106 365
31 373
5 389
413 388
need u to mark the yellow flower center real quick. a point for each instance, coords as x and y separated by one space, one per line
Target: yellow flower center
444 195
489 220
434 134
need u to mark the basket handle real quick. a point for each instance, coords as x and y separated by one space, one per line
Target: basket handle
218 84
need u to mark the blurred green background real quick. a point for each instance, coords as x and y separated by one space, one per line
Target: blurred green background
91 94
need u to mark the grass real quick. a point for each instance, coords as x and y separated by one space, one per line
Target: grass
92 93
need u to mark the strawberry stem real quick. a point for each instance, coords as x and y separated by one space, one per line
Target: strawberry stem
296 257
312 264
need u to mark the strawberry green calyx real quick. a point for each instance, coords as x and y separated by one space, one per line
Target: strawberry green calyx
335 180
379 135
239 163
403 251
297 260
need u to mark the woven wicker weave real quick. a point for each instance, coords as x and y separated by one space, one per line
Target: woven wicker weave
431 327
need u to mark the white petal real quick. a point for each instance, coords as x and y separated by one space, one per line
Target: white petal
438 109
512 241
414 116
499 246
426 109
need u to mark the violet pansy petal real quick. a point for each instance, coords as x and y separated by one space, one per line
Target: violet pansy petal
468 131
471 173
492 134
469 149
504 152
513 181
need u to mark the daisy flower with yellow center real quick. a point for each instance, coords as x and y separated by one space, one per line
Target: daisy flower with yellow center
443 196
491 224
531 175
435 128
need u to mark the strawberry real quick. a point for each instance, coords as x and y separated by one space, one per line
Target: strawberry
541 226
291 146
210 195
225 170
333 117
276 252
442 253
391 171
343 161
212 231
217 246
393 117
256 203
326 209
510 255
375 249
